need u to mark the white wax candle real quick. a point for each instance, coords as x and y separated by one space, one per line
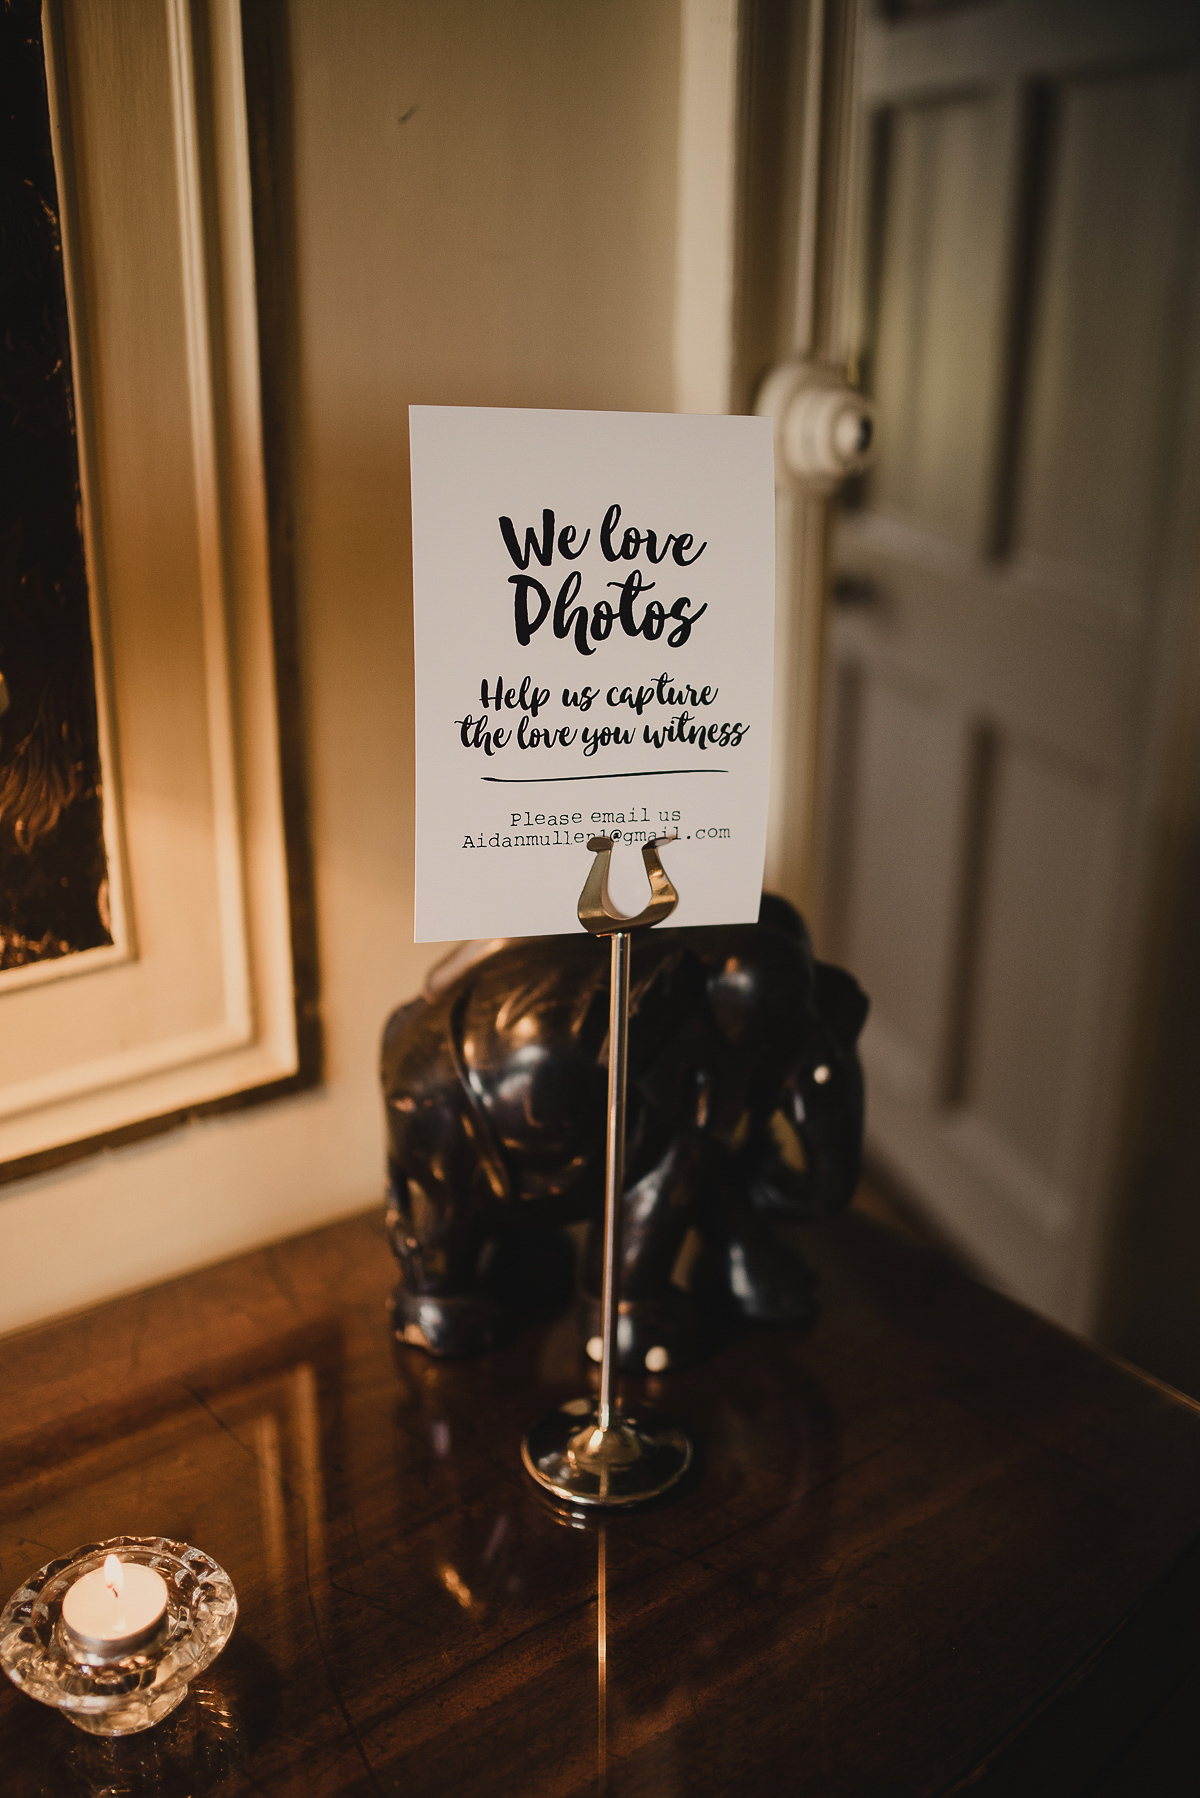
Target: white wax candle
116 1608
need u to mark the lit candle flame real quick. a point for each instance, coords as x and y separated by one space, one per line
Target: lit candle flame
114 1579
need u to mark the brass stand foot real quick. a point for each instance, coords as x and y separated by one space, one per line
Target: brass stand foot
580 1463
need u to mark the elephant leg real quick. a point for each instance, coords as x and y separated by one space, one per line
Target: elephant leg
528 1268
439 1238
747 1269
658 1323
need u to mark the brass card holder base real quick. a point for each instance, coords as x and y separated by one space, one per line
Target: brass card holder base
585 1454
582 1461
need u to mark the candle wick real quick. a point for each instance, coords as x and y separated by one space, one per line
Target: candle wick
113 1577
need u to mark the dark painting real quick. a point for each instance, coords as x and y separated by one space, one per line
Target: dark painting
53 868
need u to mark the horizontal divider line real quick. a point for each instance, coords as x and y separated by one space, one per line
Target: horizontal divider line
541 780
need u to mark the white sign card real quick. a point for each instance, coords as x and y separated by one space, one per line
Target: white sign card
594 607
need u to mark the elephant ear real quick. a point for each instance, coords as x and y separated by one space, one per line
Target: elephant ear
777 913
670 1032
841 1003
663 991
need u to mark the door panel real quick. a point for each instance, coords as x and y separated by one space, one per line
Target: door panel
904 869
1106 332
1043 850
992 692
937 363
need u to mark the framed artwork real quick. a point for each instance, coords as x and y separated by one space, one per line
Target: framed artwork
56 897
156 921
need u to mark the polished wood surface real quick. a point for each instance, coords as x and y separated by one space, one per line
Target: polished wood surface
934 1545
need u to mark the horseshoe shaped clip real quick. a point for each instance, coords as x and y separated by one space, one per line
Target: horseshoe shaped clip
595 908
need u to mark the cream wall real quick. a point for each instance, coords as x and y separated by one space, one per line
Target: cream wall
486 213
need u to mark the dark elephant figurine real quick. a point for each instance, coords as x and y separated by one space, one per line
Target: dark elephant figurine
745 1108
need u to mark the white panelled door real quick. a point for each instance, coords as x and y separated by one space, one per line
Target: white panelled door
1015 586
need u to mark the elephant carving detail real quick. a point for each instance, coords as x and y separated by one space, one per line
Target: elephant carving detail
745 1111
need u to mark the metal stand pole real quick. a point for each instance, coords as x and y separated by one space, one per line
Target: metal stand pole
614 1171
602 1662
588 1454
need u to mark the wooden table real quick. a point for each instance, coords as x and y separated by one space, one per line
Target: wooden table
935 1546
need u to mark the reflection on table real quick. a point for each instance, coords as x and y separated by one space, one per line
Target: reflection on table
908 1527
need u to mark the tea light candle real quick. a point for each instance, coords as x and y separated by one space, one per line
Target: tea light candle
116 1609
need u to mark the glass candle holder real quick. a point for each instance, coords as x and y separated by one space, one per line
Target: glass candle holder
119 1695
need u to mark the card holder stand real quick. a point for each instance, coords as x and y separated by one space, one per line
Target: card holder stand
591 1454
